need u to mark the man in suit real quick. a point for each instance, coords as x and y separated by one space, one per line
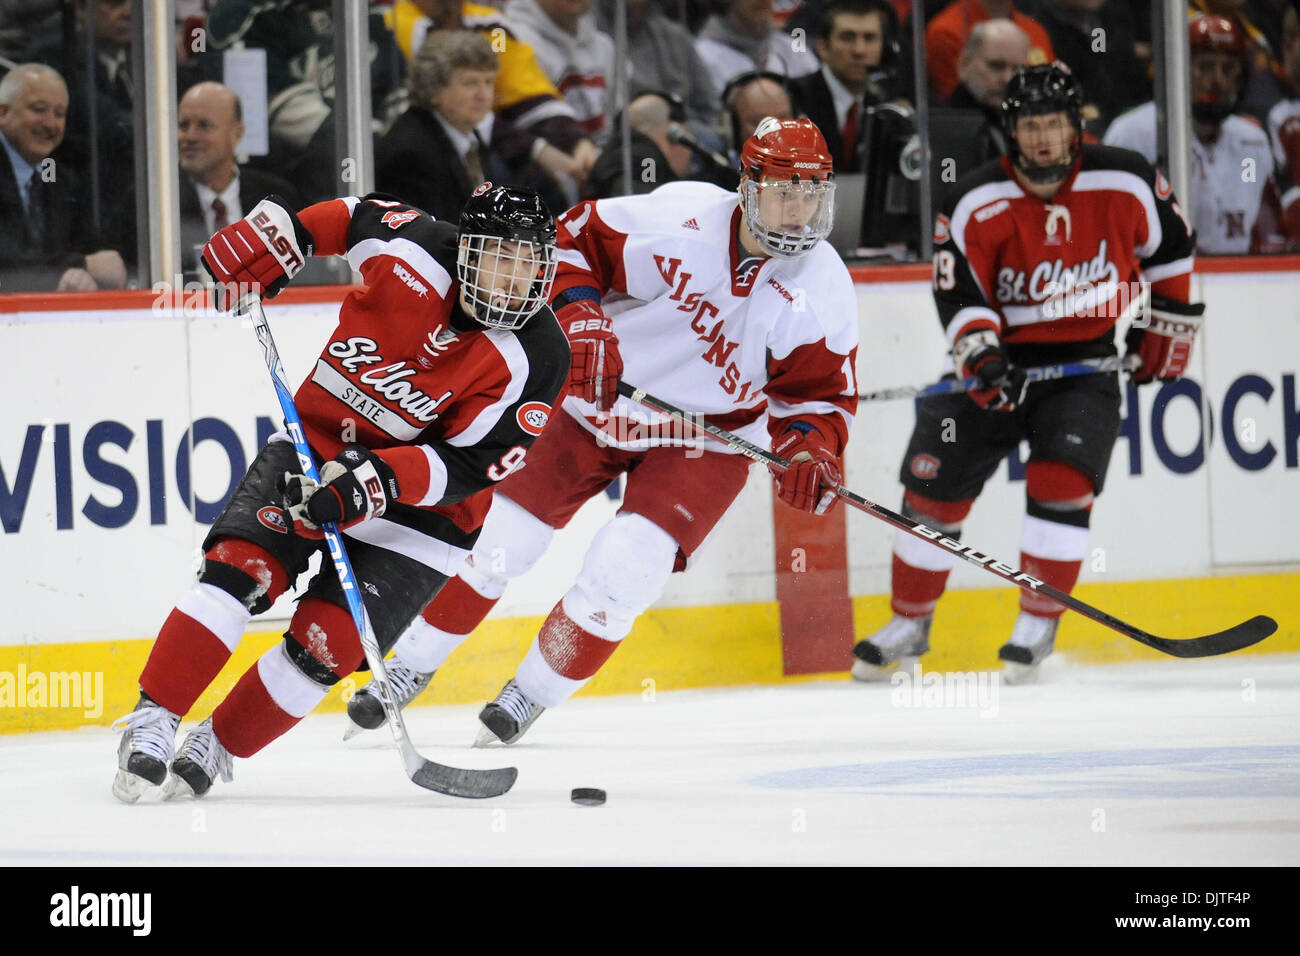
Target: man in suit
851 46
215 190
45 243
436 153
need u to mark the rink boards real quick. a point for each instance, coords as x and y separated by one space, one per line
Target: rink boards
128 418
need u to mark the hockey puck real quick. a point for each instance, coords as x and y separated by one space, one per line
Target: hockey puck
587 796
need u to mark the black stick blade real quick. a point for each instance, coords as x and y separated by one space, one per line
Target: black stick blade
457 782
1225 642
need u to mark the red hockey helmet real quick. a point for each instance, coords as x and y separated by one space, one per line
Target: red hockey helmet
787 190
1208 33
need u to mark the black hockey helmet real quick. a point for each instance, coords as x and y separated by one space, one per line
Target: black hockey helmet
1034 90
486 266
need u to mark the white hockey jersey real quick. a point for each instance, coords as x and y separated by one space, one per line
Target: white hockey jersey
701 325
1228 176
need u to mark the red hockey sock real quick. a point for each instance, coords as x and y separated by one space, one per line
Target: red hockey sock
916 591
185 659
569 650
248 719
1059 574
458 608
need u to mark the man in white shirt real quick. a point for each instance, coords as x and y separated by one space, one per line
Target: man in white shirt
1232 160
744 39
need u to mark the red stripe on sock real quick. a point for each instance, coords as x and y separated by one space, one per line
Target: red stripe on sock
571 651
458 608
327 632
255 561
184 660
1061 575
915 590
944 512
248 719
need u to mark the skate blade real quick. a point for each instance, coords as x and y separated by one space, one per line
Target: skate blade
129 787
486 738
352 730
177 787
1014 673
872 674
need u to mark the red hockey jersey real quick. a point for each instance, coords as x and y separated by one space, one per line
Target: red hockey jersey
1062 270
451 406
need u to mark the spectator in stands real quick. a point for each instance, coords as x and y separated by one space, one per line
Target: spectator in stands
947 33
746 100
451 82
113 150
655 159
743 39
1278 226
525 99
298 37
1260 89
1097 40
1231 156
577 57
45 242
20 20
662 56
215 190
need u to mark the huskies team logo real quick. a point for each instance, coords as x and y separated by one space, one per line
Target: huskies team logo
273 518
394 219
925 467
482 189
533 416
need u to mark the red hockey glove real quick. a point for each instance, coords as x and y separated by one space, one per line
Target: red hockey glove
1163 339
809 483
356 486
981 355
260 253
596 366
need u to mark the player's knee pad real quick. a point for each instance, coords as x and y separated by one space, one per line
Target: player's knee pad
322 641
1059 493
624 572
945 516
250 574
510 543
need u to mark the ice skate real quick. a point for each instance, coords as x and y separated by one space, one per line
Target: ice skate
366 710
507 718
1031 641
897 646
148 742
197 764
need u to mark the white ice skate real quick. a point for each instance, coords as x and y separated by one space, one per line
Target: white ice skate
507 718
897 646
366 710
1031 641
148 742
197 764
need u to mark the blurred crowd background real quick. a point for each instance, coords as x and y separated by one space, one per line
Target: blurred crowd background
530 91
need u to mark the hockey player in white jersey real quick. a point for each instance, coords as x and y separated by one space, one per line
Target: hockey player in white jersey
729 304
1231 158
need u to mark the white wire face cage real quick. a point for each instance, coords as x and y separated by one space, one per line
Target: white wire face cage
488 267
776 241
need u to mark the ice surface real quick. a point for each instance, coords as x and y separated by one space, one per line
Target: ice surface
1176 763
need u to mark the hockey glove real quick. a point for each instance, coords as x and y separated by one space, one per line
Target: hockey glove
596 365
981 355
1164 339
259 254
809 483
356 486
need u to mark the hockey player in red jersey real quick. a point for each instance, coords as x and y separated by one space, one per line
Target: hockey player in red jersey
440 374
727 304
1037 256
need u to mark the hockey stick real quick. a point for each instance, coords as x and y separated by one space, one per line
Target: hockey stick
452 781
1041 373
1224 642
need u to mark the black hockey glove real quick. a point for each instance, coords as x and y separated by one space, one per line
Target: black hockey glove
356 486
1001 386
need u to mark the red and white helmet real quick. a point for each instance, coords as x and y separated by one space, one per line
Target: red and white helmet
1208 33
790 156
